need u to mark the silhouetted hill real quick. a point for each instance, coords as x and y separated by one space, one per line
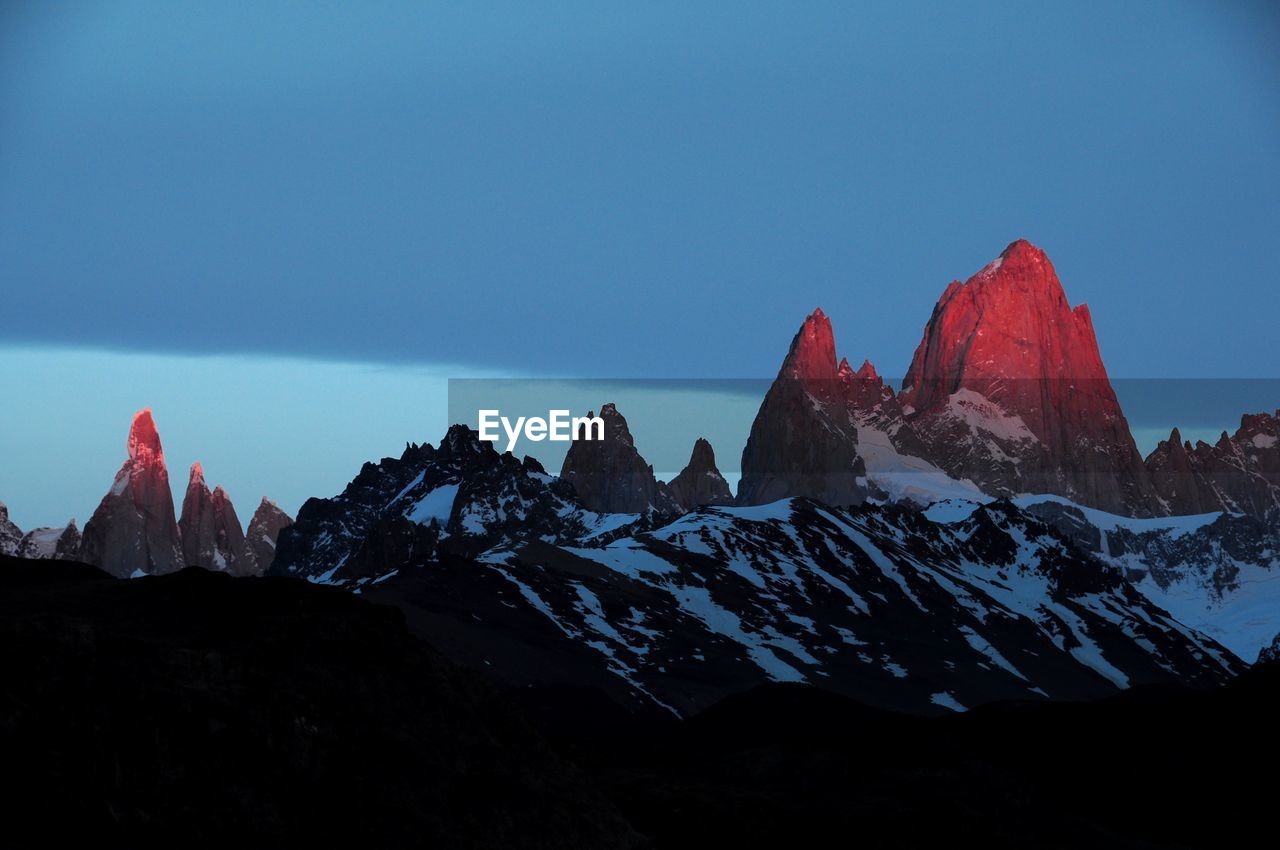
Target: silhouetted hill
197 709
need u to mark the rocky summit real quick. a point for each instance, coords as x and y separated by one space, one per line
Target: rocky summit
1007 389
610 475
803 441
1240 473
10 534
134 528
700 482
211 534
264 531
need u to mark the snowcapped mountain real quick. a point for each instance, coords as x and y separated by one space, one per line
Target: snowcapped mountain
498 565
881 544
1218 573
1006 396
871 547
61 543
460 498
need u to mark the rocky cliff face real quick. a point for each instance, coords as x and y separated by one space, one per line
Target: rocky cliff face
610 475
69 543
1008 389
210 530
700 482
1178 482
896 459
134 527
10 534
803 441
264 530
874 405
1240 473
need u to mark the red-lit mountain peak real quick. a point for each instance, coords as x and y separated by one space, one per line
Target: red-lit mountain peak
1005 353
813 351
1004 332
134 527
144 439
220 498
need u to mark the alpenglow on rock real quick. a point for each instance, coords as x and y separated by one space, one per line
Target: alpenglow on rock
211 533
1008 389
134 532
803 441
134 528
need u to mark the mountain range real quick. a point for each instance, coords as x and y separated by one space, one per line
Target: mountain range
988 532
134 530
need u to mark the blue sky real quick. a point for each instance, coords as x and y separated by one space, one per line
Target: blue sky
633 190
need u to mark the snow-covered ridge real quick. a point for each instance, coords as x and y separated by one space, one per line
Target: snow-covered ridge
1218 573
971 598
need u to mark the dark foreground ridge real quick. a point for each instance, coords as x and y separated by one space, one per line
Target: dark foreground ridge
196 709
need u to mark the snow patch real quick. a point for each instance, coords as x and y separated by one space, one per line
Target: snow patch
946 700
981 414
436 505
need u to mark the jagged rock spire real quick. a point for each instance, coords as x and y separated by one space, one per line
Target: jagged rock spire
700 482
134 528
210 530
610 475
264 532
10 534
1240 473
803 441
812 357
